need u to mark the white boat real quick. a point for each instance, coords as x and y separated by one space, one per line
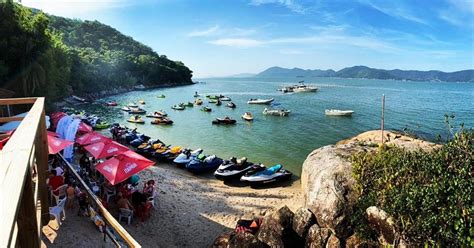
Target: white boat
338 112
225 98
80 99
277 112
126 109
260 101
132 105
304 88
247 116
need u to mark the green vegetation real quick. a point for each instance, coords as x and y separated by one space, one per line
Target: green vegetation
429 194
51 56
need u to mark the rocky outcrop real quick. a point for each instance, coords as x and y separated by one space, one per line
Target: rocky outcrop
245 240
381 223
302 221
317 237
327 182
222 241
276 229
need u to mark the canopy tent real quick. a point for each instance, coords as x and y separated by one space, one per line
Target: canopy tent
56 144
105 149
84 128
123 166
92 137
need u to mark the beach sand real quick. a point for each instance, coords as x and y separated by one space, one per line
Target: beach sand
190 211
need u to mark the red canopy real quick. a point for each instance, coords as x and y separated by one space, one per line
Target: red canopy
105 149
55 117
123 166
54 134
56 144
84 128
92 137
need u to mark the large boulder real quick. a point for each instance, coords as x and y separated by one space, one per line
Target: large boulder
276 229
317 237
245 240
222 241
382 224
302 221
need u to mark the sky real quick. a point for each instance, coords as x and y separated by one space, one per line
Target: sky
227 37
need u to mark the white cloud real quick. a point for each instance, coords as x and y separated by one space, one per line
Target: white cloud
207 32
76 8
290 4
395 10
237 42
290 51
458 13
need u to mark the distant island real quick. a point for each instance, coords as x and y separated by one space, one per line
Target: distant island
371 73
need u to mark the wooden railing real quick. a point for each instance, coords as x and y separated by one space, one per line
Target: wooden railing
24 208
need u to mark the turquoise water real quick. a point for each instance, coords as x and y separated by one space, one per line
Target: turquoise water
418 106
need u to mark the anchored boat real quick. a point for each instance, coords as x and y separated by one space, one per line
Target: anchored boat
260 101
337 112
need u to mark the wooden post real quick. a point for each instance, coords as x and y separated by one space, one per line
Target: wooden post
41 153
383 117
28 233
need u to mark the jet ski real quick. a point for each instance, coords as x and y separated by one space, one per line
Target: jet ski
132 105
157 114
111 104
125 108
230 105
140 139
198 101
233 168
136 119
161 96
101 125
225 98
137 111
201 164
186 156
275 173
172 153
206 109
189 104
178 107
162 121
226 120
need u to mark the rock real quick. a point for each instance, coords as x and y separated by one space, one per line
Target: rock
222 241
317 237
354 242
382 224
333 242
276 229
302 221
244 240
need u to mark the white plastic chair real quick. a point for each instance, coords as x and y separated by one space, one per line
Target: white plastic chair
127 214
109 193
58 209
61 193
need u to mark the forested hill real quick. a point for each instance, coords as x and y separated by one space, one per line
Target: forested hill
372 73
42 55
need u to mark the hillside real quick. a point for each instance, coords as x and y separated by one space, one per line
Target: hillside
371 73
52 56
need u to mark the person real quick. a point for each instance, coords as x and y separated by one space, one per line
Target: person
55 181
59 169
136 117
123 202
84 162
149 188
70 196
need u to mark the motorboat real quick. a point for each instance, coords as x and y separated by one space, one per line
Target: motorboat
162 121
137 111
189 104
157 114
213 101
247 116
287 89
260 101
142 102
186 156
198 101
275 173
161 96
276 112
111 104
132 105
202 164
79 99
301 87
136 119
125 108
225 98
337 112
230 105
178 107
226 120
206 109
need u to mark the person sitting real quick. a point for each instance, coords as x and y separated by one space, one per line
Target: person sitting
123 202
149 188
59 169
55 181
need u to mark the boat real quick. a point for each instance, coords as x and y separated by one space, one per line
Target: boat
247 116
178 107
273 174
218 103
337 112
276 112
162 121
287 89
235 168
186 156
301 87
79 99
202 164
141 102
212 101
111 104
102 125
206 109
230 105
198 101
214 97
225 98
157 114
137 111
260 101
132 105
189 104
139 87
136 119
125 108
161 96
226 121
196 94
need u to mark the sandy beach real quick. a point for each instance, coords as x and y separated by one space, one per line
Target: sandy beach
191 211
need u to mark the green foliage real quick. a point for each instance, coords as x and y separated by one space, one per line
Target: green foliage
52 56
429 194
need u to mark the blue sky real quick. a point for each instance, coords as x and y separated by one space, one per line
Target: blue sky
225 37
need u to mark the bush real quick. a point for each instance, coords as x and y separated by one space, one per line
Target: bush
429 194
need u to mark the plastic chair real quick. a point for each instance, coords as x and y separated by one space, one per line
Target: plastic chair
109 193
58 209
61 193
127 214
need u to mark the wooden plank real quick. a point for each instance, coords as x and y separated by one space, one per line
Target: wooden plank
28 235
13 170
41 154
12 118
15 101
112 222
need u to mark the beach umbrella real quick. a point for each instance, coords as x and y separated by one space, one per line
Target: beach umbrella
56 144
84 128
105 149
54 134
123 166
92 137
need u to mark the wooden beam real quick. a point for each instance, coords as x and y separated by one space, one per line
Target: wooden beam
12 118
112 222
15 101
41 154
14 160
28 235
